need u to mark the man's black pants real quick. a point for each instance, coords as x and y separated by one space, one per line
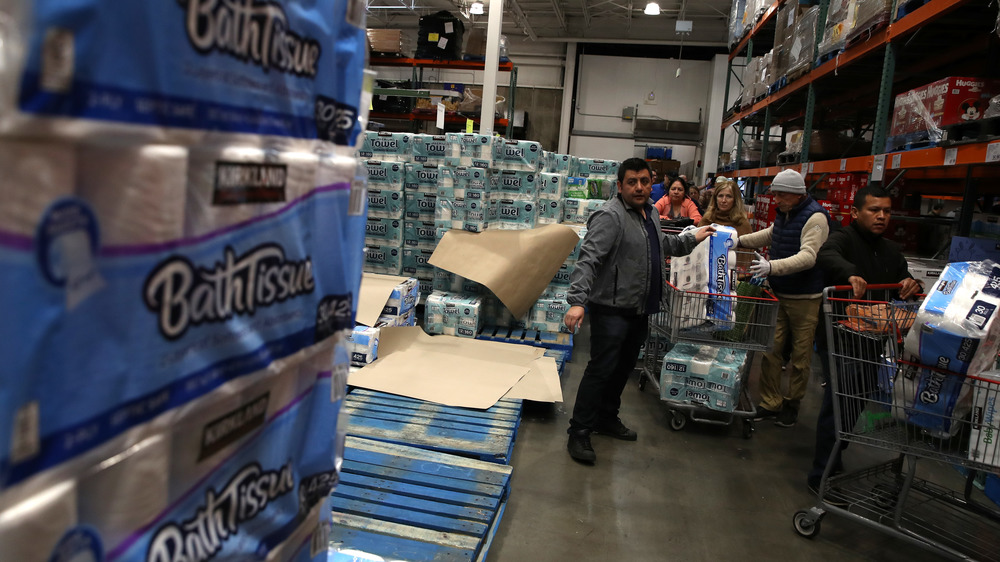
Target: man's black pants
615 339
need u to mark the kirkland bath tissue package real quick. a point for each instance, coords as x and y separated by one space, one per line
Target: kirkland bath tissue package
514 184
363 345
279 68
234 473
517 155
386 146
145 327
402 298
709 272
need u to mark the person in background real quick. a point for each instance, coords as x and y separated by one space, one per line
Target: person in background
656 192
857 255
694 194
676 204
799 231
620 278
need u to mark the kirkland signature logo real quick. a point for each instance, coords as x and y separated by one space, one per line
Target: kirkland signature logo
250 31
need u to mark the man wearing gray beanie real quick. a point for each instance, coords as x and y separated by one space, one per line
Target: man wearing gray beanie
799 230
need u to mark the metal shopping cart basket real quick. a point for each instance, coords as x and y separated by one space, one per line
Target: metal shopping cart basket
913 412
744 321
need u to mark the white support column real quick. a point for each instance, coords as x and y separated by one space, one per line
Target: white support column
567 100
493 26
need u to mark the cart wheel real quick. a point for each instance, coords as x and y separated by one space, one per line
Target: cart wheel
748 428
806 524
678 421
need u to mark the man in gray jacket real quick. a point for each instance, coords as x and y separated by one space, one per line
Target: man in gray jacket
620 278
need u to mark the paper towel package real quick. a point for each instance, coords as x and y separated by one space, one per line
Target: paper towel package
415 263
590 167
463 179
515 215
421 178
475 151
514 184
479 213
386 146
453 315
517 155
576 188
559 163
985 421
449 282
449 213
402 298
384 232
419 234
562 277
581 231
136 323
385 204
551 186
550 212
578 211
420 206
363 345
387 260
161 71
546 315
433 149
383 174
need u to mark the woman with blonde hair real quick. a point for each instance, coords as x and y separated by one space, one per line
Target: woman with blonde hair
726 208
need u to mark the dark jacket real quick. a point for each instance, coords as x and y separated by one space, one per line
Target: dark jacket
786 239
615 260
852 251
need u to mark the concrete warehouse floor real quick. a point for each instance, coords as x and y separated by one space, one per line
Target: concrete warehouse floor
703 493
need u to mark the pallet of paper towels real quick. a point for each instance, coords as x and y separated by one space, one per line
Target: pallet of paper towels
956 333
707 278
704 375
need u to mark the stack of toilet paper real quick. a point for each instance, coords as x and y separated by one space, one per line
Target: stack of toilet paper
453 314
551 189
408 318
704 375
381 145
181 237
708 277
474 151
363 345
434 149
956 333
403 298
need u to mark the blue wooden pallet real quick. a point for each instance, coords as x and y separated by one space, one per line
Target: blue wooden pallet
822 59
482 434
548 340
906 8
777 85
909 141
406 503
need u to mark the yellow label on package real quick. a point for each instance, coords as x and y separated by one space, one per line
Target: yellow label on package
433 37
468 125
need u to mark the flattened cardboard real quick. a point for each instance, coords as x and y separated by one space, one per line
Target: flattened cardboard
450 370
374 293
540 385
516 265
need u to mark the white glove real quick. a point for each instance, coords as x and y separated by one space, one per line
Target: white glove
760 267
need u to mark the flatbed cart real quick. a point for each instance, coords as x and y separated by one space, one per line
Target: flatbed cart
881 401
680 320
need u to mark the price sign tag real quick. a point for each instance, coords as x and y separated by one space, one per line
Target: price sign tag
440 116
843 164
950 156
896 159
811 167
993 152
468 126
878 168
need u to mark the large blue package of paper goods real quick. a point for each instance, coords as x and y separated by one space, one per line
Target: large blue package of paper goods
160 70
708 274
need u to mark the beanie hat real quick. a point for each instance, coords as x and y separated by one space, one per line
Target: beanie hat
789 181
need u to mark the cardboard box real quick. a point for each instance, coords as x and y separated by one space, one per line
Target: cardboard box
476 46
665 167
947 101
389 42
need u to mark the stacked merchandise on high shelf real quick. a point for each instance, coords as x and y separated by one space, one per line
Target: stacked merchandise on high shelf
851 20
924 116
180 256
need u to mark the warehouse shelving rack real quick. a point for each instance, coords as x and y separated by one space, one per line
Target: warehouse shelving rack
418 66
940 38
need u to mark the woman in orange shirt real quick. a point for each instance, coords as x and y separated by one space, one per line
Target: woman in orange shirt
676 204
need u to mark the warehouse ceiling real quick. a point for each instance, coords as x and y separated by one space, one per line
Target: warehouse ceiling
575 20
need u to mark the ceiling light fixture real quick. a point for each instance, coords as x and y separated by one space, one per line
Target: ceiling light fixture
652 9
476 8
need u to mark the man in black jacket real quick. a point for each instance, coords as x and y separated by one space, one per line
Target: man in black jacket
857 255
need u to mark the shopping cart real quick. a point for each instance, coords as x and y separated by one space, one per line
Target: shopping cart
749 325
881 401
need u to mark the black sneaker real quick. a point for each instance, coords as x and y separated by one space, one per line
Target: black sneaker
833 497
764 414
617 430
579 446
787 417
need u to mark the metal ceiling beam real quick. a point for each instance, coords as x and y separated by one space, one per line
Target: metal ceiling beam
586 12
628 25
559 14
523 20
